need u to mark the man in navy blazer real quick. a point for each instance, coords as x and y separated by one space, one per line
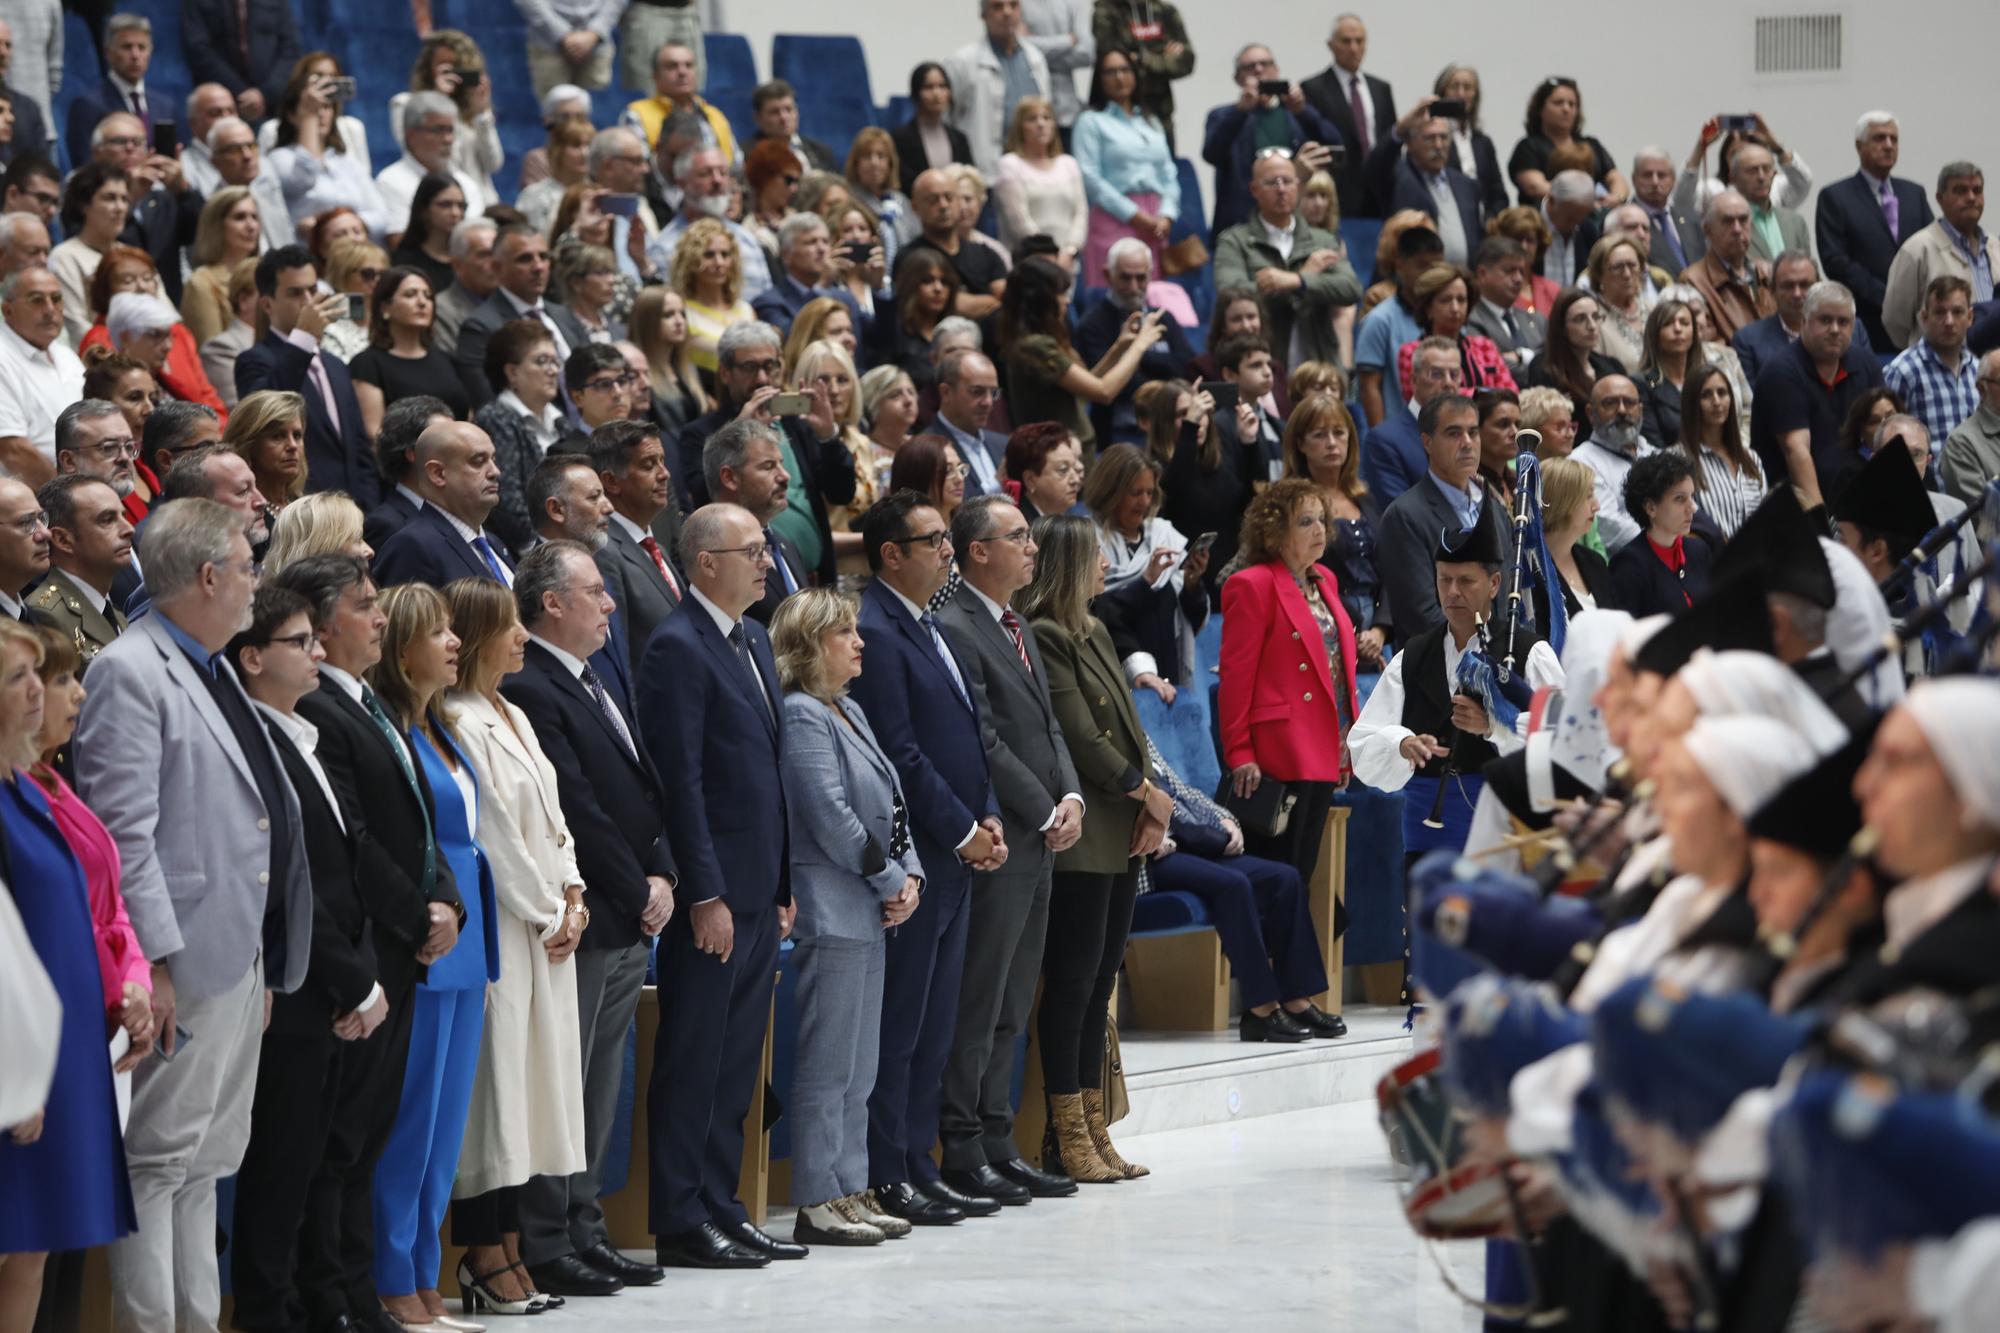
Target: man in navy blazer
1766 341
968 388
805 260
615 805
460 484
128 53
915 694
710 716
1128 272
395 455
1231 141
1852 225
289 358
1407 169
521 258
216 49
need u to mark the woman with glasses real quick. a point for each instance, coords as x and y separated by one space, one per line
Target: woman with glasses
353 270
1044 466
1555 120
708 273
399 361
230 231
1570 360
1127 160
524 420
437 208
174 360
1617 270
590 279
268 431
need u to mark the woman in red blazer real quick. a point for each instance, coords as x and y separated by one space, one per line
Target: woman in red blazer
1287 668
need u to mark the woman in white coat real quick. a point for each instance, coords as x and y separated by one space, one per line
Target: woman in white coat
527 1098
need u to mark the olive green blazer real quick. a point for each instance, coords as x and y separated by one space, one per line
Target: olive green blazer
1094 708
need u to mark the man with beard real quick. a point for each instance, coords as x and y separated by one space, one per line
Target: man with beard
1128 269
1614 445
90 542
702 172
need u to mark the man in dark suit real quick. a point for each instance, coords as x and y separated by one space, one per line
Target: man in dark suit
413 910
968 388
1499 271
1237 131
1393 458
776 107
247 46
1863 220
31 131
710 715
459 483
24 551
1449 500
1041 813
300 1070
289 358
1128 271
612 799
1412 169
127 53
1676 234
1766 341
805 252
1361 106
631 464
744 468
1570 210
521 257
919 702
395 458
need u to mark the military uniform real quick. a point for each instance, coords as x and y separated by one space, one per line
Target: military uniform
65 605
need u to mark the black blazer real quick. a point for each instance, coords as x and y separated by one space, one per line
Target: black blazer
335 460
209 40
1324 90
341 971
1395 181
1409 534
634 582
31 132
469 358
1596 581
910 151
429 550
390 857
828 473
611 797
1661 404
385 520
162 224
1485 169
1855 246
95 103
1646 587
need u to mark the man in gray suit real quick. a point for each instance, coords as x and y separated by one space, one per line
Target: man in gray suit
968 387
631 463
1499 271
170 753
1042 814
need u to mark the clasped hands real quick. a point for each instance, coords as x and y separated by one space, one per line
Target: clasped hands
986 849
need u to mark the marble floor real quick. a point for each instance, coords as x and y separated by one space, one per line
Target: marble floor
1278 1222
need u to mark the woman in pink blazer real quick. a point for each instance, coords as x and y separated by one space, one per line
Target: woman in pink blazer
1287 668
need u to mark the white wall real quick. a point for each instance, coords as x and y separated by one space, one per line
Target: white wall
1645 79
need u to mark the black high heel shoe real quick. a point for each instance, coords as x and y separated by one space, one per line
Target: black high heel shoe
474 1296
549 1300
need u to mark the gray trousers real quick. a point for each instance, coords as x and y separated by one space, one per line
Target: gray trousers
1003 961
560 1214
190 1124
833 1070
645 29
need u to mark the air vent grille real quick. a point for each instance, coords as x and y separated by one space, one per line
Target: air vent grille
1799 44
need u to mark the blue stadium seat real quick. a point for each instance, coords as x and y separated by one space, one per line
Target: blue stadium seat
732 66
834 115
823 65
1193 221
896 111
1169 912
1359 236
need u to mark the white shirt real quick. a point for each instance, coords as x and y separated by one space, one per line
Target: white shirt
728 626
569 660
472 534
1610 466
545 426
11 605
398 183
348 684
1376 739
410 495
35 386
994 609
97 600
1279 237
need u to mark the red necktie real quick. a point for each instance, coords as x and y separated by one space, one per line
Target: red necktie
1012 624
652 548
1358 105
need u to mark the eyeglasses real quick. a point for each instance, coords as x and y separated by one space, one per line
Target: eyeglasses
247 568
372 274
958 470
119 449
27 523
613 381
545 362
45 199
758 367
121 141
937 541
305 643
1019 536
758 552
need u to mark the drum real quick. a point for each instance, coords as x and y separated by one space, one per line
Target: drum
1444 1197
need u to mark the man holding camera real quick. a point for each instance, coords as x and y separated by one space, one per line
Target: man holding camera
1270 117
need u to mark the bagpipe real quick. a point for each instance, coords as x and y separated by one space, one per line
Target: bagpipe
1946 650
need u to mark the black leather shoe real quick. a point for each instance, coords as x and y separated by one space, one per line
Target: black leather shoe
1277 1026
1319 1022
571 1276
376 1320
706 1247
972 1205
749 1235
918 1209
341 1323
983 1182
1039 1183
629 1271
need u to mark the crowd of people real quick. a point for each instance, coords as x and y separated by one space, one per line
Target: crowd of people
429 618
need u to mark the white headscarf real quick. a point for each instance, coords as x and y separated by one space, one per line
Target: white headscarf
1960 717
1856 625
1739 683
1579 743
1747 759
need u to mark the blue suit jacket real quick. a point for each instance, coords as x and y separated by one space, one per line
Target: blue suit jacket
1167 359
336 460
927 728
716 748
1758 345
1229 144
1396 182
429 550
1855 246
31 132
94 104
780 303
1392 455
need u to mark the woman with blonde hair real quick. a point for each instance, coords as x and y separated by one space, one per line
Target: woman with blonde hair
569 166
659 328
353 269
1319 202
413 1180
526 1116
822 319
230 231
873 172
972 194
888 415
1039 187
218 354
1569 515
268 431
708 273
1549 412
323 523
826 363
1617 268
855 873
1322 445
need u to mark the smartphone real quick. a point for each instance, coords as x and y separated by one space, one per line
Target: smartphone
357 308
790 404
1738 124
181 1038
471 78
1451 108
1273 87
857 252
1202 543
1225 398
166 138
619 205
1339 151
343 89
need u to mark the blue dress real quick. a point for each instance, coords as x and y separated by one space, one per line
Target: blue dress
68 1190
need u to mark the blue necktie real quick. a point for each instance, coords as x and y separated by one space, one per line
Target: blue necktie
929 622
486 553
778 559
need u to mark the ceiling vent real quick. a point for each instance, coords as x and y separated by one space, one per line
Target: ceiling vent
1799 44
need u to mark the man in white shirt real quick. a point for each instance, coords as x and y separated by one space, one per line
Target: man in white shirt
39 376
206 105
702 173
1614 445
430 127
1571 200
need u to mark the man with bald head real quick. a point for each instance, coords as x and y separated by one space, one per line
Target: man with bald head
455 474
1735 283
934 198
165 207
968 389
1294 265
207 104
1753 171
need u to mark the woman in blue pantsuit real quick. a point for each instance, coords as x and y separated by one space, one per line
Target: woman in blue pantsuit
414 1177
855 875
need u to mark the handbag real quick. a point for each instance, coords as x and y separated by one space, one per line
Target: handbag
1117 1102
1264 812
1183 256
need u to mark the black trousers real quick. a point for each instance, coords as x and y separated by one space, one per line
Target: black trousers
1090 917
484 1218
298 1081
1298 845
